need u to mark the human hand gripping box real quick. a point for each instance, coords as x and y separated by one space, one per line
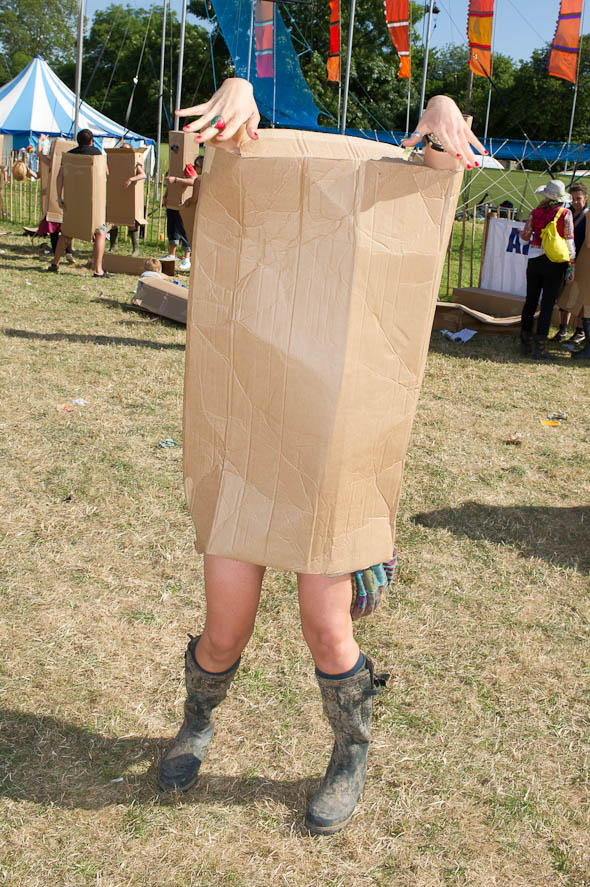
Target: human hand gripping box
315 277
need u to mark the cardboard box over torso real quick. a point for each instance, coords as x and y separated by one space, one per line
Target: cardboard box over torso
124 205
51 208
183 150
315 277
84 194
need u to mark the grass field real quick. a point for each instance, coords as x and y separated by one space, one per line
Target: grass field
479 772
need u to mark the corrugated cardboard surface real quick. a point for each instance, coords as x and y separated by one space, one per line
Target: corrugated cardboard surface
58 148
317 266
189 149
187 214
496 304
124 205
45 177
576 293
122 264
84 194
162 297
453 317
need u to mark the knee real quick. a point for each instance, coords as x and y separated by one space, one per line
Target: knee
326 640
225 645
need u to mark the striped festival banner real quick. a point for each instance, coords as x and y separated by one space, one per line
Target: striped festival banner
479 33
396 16
264 38
333 63
563 61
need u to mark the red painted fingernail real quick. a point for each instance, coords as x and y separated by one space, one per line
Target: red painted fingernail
468 166
255 135
486 152
458 155
197 138
186 127
477 163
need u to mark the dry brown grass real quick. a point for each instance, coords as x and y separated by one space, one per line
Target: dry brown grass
480 765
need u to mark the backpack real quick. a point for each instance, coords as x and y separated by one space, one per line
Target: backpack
554 245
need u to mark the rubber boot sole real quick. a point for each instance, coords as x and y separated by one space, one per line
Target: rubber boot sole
327 829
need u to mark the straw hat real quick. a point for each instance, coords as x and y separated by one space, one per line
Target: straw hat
555 190
19 171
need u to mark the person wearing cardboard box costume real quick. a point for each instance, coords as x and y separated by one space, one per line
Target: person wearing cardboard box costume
345 675
86 146
140 176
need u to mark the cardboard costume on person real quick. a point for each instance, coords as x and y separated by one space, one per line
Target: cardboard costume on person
52 209
182 151
84 178
125 206
318 262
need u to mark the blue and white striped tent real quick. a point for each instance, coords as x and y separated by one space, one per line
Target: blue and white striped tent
37 101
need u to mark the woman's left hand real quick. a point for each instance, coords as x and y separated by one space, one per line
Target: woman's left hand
444 120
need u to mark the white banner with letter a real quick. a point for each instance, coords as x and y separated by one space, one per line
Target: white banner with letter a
504 267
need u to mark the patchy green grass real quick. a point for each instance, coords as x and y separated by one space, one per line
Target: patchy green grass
479 770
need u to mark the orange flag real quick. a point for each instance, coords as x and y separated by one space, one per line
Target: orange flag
479 34
333 63
396 16
264 38
563 61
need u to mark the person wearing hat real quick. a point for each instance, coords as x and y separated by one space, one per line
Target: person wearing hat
545 278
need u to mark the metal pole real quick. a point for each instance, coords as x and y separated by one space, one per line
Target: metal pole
408 106
426 51
180 63
161 98
496 13
251 40
348 61
79 66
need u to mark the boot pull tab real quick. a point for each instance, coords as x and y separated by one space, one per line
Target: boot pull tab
378 681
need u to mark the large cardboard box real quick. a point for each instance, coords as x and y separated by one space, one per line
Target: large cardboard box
183 150
51 208
162 297
84 194
125 206
453 317
119 263
187 214
493 303
316 271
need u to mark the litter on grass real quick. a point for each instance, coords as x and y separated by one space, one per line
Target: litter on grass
552 423
462 336
80 402
514 440
557 416
167 443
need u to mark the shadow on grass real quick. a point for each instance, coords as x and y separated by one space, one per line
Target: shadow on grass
48 761
500 349
82 338
558 535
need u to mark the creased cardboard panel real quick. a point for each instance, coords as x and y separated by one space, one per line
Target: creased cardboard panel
125 206
314 287
59 147
188 150
84 194
120 263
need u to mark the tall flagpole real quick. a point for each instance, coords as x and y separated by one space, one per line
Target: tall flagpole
348 60
161 99
569 137
251 40
79 67
485 134
180 63
426 51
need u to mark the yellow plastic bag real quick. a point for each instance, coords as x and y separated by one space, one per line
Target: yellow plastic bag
554 244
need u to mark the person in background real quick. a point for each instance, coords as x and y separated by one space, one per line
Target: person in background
579 196
174 224
346 677
151 268
140 176
544 278
86 147
53 229
196 183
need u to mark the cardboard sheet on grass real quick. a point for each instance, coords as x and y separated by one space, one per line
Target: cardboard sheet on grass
125 206
318 261
120 263
162 297
84 194
49 205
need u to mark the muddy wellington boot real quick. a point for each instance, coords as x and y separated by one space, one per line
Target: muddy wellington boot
135 242
180 765
113 238
526 344
348 705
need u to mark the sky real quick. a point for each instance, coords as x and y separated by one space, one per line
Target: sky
521 25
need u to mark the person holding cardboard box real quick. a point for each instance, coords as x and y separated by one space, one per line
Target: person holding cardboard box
139 175
280 468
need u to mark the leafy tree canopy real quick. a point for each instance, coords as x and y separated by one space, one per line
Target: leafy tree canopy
36 27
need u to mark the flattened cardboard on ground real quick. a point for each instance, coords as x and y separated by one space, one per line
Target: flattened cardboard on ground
84 194
186 153
454 317
125 206
122 264
317 266
59 147
496 304
162 297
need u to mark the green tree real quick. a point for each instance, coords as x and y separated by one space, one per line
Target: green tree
36 27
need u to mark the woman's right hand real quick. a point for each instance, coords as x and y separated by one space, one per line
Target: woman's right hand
234 102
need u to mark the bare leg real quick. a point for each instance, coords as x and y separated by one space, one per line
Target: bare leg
233 592
60 249
98 251
324 605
